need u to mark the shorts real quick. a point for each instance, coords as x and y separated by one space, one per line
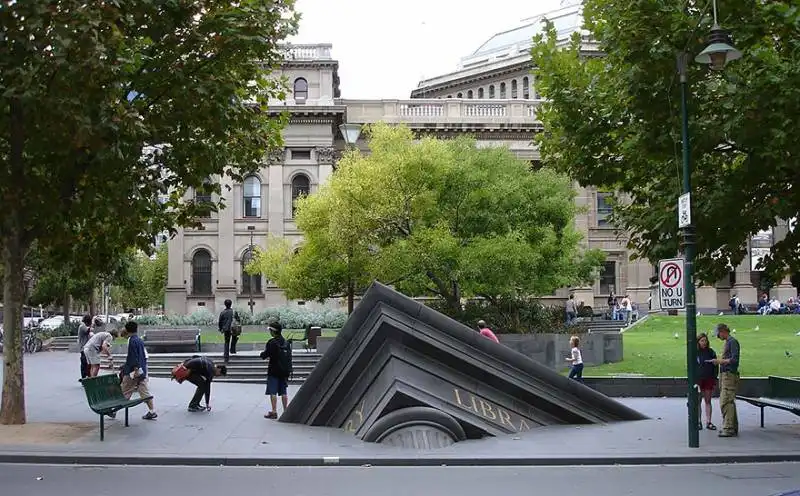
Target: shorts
92 355
707 384
276 385
137 385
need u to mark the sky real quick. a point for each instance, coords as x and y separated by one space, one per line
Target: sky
385 47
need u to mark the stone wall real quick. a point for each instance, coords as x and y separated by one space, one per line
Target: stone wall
552 349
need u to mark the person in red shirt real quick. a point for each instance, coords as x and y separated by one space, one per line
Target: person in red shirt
486 332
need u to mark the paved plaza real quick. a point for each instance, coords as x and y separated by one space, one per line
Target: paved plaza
236 433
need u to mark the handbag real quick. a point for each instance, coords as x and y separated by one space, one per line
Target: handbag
236 325
180 373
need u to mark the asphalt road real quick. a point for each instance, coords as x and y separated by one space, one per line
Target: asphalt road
706 480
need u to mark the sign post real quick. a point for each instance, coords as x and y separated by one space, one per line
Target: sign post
671 293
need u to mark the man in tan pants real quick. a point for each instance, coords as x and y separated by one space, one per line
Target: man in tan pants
728 381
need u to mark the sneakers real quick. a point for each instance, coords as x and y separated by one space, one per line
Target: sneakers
271 415
150 416
195 408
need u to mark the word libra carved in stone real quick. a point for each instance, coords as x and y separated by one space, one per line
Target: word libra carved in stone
491 412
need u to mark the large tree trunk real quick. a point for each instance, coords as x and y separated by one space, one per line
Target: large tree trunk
12 408
351 292
65 310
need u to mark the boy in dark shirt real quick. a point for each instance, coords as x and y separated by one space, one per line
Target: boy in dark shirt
201 373
278 370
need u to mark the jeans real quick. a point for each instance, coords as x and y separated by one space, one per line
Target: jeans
728 385
576 372
84 366
202 386
230 345
571 317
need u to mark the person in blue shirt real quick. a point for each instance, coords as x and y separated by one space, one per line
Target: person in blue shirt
134 372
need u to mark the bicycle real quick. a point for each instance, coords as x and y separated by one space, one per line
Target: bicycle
31 343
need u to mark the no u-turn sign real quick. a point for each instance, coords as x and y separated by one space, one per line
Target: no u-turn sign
670 284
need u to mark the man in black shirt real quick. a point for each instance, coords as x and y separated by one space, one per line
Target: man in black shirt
279 353
201 373
226 325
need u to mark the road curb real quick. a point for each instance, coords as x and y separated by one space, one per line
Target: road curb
423 461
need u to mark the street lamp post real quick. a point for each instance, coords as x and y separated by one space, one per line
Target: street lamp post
717 54
350 133
251 303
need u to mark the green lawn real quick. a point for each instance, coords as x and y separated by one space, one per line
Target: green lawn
250 337
651 348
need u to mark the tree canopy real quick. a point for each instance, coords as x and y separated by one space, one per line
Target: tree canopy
613 121
438 218
110 112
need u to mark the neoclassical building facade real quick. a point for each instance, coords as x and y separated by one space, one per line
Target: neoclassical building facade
492 96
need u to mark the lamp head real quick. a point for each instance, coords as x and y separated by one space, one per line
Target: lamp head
350 133
719 50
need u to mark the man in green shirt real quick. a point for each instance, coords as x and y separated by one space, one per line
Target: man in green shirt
728 381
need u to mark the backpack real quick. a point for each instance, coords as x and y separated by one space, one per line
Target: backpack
236 325
180 373
284 358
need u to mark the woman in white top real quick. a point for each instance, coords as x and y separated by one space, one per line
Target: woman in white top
576 371
100 342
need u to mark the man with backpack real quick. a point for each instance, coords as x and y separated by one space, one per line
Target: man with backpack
279 353
230 326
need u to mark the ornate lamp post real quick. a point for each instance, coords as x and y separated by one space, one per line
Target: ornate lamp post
251 303
717 54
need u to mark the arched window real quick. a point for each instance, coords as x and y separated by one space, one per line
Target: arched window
201 272
248 278
491 91
251 191
460 95
480 92
469 94
502 91
300 90
526 88
514 89
301 186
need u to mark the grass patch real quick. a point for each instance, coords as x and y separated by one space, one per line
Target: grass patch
212 337
652 350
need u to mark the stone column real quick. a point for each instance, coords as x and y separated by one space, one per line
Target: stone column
743 287
225 273
785 290
724 292
639 272
175 293
706 297
326 156
275 207
583 200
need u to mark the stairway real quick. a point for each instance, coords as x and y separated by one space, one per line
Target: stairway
598 325
243 368
62 343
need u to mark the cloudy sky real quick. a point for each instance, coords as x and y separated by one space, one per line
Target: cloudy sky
384 47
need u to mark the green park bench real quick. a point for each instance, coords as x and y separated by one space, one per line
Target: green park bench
104 394
782 393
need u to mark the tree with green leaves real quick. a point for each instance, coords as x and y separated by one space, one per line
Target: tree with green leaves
144 281
614 122
110 112
435 218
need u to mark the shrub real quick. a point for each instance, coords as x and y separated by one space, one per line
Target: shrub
289 317
510 316
67 329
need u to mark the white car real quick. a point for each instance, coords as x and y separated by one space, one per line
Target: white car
57 321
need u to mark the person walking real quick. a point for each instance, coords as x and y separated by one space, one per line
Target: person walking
728 381
84 333
279 353
202 372
484 331
576 359
706 378
571 310
134 372
226 324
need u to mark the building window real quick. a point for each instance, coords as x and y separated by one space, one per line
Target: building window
247 257
526 88
502 91
514 89
603 209
300 90
491 91
252 197
301 187
201 273
469 94
202 198
608 278
301 154
460 95
480 92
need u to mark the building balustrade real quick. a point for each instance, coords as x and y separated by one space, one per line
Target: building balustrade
449 111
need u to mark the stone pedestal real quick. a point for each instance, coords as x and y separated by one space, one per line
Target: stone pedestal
706 298
784 290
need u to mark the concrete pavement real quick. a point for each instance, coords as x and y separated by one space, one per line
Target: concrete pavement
708 480
235 433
